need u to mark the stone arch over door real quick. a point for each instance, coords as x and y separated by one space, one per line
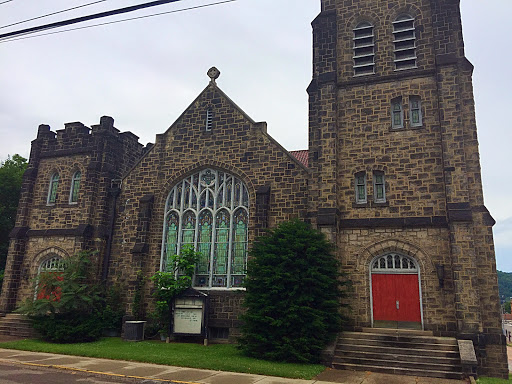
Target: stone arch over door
395 292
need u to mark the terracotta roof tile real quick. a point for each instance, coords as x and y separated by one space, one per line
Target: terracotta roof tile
301 155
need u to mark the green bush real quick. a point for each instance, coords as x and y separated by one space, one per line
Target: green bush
170 284
293 295
112 315
70 303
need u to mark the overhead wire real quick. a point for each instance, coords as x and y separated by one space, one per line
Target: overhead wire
51 14
81 19
3 2
8 40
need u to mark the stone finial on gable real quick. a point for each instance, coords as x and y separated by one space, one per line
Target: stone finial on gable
213 73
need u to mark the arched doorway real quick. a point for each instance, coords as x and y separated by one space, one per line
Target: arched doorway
395 292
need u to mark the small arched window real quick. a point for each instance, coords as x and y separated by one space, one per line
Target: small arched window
379 187
361 188
394 263
397 113
75 188
415 115
54 265
364 49
404 39
52 189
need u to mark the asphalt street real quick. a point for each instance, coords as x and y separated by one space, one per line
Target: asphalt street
15 373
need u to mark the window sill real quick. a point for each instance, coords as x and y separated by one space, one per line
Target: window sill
408 128
380 204
361 205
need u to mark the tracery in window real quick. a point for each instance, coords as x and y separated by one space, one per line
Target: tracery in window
404 39
52 189
75 187
394 262
364 49
210 211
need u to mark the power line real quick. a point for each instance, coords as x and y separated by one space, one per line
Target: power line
7 1
117 21
87 18
50 14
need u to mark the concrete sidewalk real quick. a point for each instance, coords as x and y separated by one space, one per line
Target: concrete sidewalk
164 373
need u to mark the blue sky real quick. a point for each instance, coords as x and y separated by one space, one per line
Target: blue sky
145 73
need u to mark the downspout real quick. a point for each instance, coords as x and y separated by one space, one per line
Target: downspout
115 190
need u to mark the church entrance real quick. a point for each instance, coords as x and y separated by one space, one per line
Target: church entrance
396 299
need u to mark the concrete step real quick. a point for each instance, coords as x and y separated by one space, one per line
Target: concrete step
14 324
406 353
399 344
389 362
396 351
400 332
423 338
376 355
399 371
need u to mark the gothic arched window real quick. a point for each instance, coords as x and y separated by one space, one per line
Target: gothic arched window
52 189
75 187
210 211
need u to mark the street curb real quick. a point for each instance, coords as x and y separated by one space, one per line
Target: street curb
95 372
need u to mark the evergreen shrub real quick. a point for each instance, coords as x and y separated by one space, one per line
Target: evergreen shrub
294 288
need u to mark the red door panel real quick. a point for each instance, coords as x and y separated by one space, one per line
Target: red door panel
408 296
384 304
396 297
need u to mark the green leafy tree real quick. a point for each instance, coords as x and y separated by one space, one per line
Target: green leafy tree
69 305
11 174
294 288
171 283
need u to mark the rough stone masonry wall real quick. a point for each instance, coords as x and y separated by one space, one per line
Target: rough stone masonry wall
100 154
429 246
431 172
235 144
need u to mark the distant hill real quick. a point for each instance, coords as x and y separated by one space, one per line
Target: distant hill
505 285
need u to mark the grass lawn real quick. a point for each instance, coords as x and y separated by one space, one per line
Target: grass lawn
491 380
223 357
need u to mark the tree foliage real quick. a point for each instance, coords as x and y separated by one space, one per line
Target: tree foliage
294 288
69 304
170 284
11 174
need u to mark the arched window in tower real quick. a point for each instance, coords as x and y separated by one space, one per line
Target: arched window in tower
364 49
404 39
75 187
52 189
210 211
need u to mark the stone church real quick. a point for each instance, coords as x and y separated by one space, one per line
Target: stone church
391 176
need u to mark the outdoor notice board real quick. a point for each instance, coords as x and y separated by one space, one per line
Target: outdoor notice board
189 313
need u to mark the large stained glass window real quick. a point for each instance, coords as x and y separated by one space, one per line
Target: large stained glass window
209 210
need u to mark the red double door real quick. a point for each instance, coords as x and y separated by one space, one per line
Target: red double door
396 300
